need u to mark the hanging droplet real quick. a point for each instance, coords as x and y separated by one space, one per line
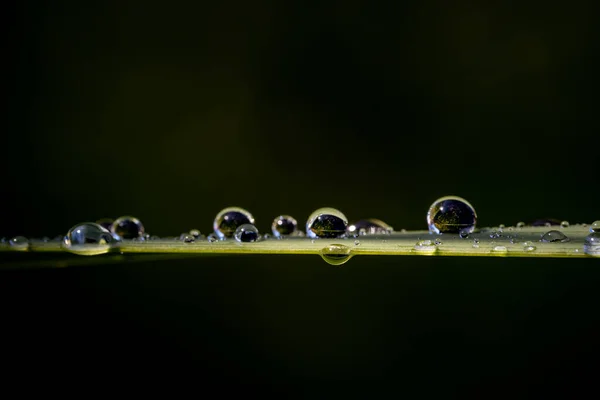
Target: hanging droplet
195 233
106 223
554 237
284 225
229 219
127 227
451 214
595 227
88 238
591 245
369 226
564 224
246 233
20 243
326 222
336 254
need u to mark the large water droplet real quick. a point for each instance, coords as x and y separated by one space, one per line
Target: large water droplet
595 227
591 245
127 227
20 243
554 237
451 214
284 225
336 254
369 226
326 222
246 233
88 238
229 219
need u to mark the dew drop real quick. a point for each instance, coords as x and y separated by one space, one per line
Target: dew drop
425 245
595 227
326 222
520 224
476 243
229 219
19 243
212 238
195 233
246 233
336 254
187 238
127 227
591 245
284 225
438 242
564 224
464 235
500 248
451 214
501 226
554 237
88 238
369 226
357 243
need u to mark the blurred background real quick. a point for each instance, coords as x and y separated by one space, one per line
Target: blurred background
171 112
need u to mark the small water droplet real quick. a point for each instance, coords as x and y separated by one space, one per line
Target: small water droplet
326 222
591 244
336 254
369 226
357 243
464 235
595 227
528 246
229 219
564 224
127 227
554 237
520 224
451 214
88 238
20 243
187 238
284 225
212 238
501 226
195 233
476 243
425 245
266 236
438 242
500 248
246 233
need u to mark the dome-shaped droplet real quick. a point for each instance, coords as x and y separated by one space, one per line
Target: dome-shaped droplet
326 222
212 238
369 226
336 254
106 223
127 227
246 233
20 243
595 227
425 246
284 225
451 214
195 233
591 245
229 219
187 238
520 224
88 238
554 237
564 224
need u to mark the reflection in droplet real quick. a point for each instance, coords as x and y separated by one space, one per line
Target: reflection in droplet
451 214
336 254
88 238
326 222
127 227
246 233
554 237
369 226
284 225
229 219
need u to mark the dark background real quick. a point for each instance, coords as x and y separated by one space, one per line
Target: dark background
171 112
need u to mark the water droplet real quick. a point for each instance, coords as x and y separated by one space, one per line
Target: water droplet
336 254
501 226
591 245
229 219
266 236
195 233
500 248
451 214
246 233
546 222
326 222
19 243
357 243
187 238
520 224
212 238
475 243
595 227
425 245
88 238
529 247
495 235
554 237
284 225
106 223
438 242
127 227
564 224
369 226
464 235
